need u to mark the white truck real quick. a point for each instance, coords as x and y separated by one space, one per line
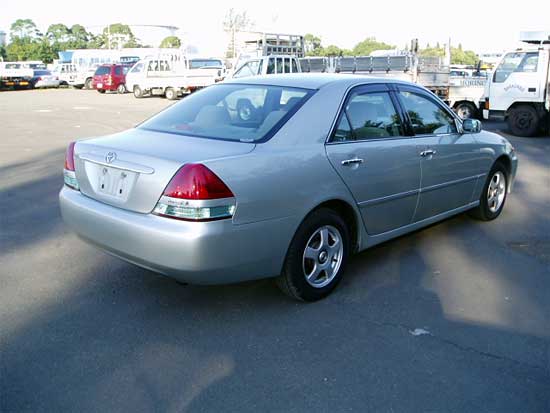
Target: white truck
167 76
15 75
519 89
275 53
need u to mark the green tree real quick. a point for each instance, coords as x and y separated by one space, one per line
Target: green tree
24 29
369 45
115 36
58 33
171 42
312 45
79 37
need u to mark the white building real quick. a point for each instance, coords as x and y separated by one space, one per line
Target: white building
2 38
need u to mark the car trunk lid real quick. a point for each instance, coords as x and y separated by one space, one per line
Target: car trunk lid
130 170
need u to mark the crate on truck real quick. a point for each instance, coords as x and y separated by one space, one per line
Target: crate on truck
519 89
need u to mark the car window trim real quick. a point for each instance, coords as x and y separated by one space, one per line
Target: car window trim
367 88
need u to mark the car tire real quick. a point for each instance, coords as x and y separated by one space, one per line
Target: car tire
466 110
138 93
101 90
320 249
523 120
121 89
171 93
493 196
88 84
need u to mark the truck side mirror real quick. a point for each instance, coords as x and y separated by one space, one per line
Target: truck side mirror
471 126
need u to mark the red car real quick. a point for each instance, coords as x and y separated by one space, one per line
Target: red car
110 77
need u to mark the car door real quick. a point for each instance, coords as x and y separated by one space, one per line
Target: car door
450 162
377 161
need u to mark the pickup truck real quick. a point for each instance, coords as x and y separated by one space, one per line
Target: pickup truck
171 78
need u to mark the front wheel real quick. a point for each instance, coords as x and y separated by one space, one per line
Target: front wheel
316 257
138 93
493 195
523 121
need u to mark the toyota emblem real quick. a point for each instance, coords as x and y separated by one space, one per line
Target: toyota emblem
110 157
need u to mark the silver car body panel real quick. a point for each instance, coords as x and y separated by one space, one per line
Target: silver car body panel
276 185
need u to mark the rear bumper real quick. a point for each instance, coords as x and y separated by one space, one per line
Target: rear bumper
216 252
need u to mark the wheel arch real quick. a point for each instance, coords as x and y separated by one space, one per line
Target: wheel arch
350 216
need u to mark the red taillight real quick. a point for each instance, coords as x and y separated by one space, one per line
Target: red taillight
40 78
69 157
196 181
195 193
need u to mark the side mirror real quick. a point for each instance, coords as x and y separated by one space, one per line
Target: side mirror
471 126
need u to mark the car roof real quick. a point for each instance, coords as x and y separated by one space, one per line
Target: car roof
311 80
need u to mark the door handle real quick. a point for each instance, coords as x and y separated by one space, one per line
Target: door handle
428 152
352 161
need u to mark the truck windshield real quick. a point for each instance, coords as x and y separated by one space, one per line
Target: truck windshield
235 112
516 62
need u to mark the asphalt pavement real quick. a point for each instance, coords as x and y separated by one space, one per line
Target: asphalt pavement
451 318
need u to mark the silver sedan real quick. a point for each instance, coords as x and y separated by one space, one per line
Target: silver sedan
282 176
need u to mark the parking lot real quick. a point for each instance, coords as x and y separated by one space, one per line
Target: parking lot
454 318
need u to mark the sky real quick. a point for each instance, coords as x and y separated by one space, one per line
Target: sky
482 26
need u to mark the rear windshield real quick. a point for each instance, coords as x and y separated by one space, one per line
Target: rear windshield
199 63
236 112
103 70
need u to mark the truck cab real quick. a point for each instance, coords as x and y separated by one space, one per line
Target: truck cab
518 89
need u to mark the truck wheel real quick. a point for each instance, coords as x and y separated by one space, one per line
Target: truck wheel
88 84
138 93
170 93
523 121
466 110
121 89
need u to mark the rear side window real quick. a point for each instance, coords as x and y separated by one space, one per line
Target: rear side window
236 112
103 70
118 70
368 116
427 117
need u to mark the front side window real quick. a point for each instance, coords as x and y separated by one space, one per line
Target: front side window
427 117
368 116
516 62
236 112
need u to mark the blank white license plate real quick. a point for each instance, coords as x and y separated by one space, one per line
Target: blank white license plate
114 182
99 85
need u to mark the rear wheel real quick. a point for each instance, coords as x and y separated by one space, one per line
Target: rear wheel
88 84
170 93
121 89
466 110
138 93
316 257
101 90
493 195
523 121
